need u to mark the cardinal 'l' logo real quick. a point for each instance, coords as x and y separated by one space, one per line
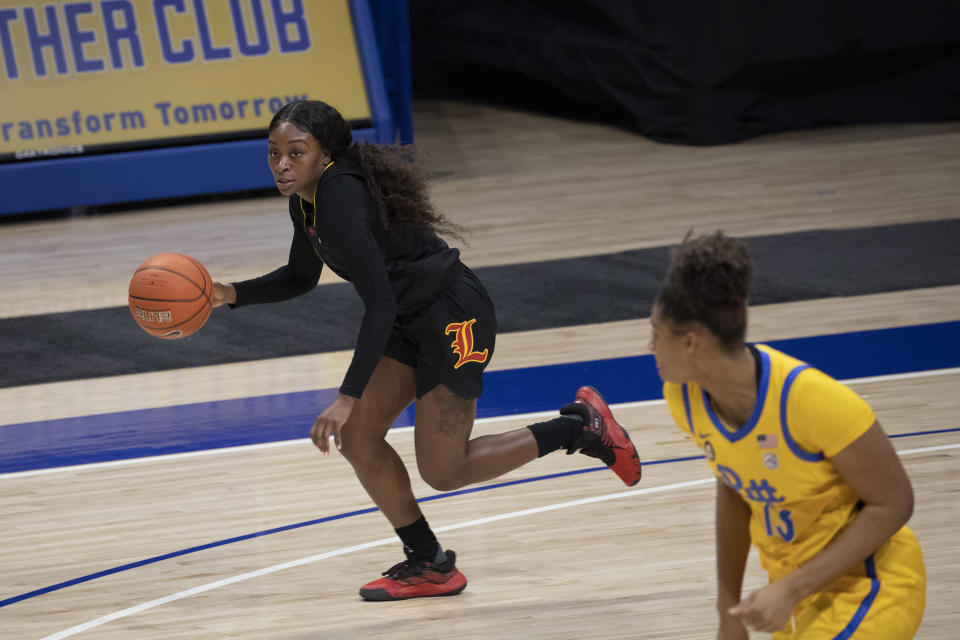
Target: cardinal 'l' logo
463 343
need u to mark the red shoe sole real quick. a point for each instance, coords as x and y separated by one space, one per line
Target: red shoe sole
391 590
627 463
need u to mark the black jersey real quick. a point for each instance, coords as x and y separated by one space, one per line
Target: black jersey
394 271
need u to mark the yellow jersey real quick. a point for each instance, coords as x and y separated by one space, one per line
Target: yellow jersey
779 461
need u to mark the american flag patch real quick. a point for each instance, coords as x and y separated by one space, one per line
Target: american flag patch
767 441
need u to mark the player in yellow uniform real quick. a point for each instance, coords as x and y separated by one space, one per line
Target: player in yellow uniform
804 469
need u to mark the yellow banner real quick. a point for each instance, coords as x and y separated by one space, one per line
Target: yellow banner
80 74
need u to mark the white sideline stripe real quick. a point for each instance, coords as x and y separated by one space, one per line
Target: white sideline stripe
941 447
490 420
169 456
904 376
123 613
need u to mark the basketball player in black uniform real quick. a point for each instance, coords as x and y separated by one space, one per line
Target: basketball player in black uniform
427 334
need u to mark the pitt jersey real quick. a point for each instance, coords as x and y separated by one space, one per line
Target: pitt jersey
779 460
779 463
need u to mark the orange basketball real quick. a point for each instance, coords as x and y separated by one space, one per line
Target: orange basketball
171 295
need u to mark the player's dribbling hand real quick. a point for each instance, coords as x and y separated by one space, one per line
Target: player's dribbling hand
767 609
330 422
223 294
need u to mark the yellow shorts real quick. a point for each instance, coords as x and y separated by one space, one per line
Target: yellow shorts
879 599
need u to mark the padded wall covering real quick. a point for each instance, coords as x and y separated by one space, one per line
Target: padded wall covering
695 72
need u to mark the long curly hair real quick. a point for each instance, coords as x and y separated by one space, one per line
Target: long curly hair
709 282
396 183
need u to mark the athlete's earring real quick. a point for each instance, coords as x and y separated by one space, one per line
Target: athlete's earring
691 340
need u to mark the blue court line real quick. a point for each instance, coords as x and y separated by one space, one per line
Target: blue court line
279 417
923 433
349 514
299 525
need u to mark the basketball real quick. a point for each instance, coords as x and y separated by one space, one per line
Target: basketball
171 295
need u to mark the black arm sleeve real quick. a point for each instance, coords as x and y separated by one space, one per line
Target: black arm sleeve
346 228
299 276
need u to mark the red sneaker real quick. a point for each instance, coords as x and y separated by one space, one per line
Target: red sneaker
411 579
603 437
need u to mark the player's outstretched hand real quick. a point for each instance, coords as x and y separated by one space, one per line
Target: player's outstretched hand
330 422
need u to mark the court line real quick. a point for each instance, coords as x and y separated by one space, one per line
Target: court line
281 443
367 545
398 430
210 586
340 516
307 523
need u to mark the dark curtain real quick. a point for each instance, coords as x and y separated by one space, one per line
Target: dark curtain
696 72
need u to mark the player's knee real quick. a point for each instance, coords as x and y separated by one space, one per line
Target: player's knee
441 478
358 453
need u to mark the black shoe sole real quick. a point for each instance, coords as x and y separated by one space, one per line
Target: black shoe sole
382 595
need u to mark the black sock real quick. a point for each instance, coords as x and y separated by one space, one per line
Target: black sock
419 542
558 433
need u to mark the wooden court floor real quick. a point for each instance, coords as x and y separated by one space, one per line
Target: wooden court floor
549 553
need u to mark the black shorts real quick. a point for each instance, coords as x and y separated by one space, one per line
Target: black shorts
451 340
